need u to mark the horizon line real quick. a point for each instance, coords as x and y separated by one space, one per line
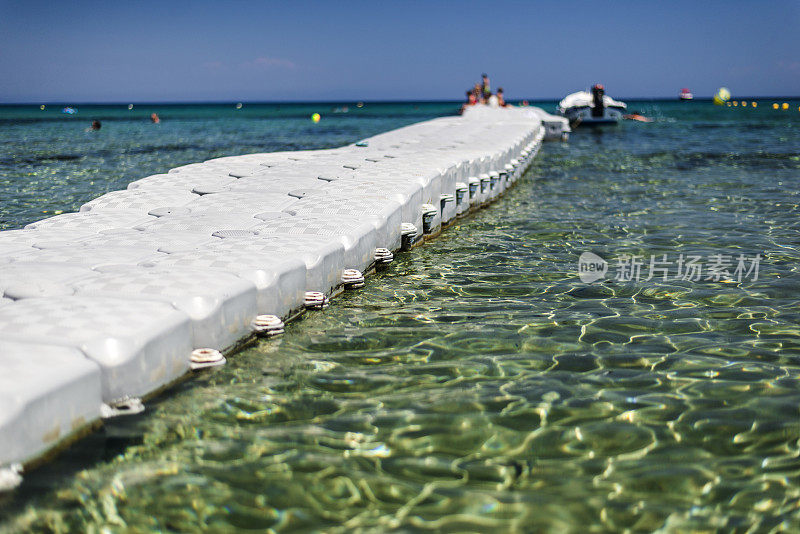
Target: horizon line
355 101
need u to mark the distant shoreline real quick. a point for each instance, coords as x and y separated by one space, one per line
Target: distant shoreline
353 101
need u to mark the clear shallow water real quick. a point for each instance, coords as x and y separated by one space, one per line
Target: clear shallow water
479 385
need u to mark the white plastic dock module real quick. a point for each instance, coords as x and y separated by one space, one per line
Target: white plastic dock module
26 278
47 393
107 304
141 200
280 281
139 346
93 221
385 215
359 238
323 257
220 306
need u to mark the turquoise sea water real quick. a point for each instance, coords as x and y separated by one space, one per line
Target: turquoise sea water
478 385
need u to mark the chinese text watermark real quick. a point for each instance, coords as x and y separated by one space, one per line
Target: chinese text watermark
694 268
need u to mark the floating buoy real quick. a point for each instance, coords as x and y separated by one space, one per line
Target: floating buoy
728 103
785 106
754 104
408 234
10 477
239 105
383 256
268 325
352 279
202 358
41 107
130 106
121 407
315 117
316 300
360 105
722 96
744 104
774 106
735 103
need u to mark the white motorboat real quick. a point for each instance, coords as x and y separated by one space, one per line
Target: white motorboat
591 107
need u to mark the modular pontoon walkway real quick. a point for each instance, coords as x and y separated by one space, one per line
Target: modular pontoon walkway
106 306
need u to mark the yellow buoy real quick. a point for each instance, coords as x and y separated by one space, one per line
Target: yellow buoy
754 104
722 96
774 106
744 104
785 106
315 117
41 107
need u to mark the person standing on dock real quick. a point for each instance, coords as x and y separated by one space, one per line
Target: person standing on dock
478 92
501 98
471 101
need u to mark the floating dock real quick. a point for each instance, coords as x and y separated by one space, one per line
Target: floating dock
101 308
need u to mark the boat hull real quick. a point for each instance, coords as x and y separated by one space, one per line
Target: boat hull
583 116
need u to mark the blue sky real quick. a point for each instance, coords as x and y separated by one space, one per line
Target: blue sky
87 51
